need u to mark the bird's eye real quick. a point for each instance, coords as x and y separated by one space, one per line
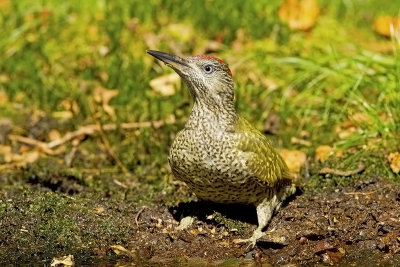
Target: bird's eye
208 69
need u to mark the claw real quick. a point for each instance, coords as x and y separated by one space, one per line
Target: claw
257 234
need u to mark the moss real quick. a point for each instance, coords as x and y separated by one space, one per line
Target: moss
232 225
47 223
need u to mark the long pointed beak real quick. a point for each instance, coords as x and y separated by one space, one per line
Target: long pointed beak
170 60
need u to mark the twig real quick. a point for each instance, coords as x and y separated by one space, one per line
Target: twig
360 168
110 150
33 142
138 215
70 156
90 129
360 193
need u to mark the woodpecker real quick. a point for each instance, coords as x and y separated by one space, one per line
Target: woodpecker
219 155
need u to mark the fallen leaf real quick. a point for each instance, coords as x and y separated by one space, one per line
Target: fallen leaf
394 161
54 135
103 76
213 230
387 26
331 257
166 85
294 159
45 14
103 96
4 78
120 250
3 97
5 152
359 118
322 247
70 105
323 152
63 261
29 157
65 115
299 14
4 3
346 129
194 232
299 141
99 210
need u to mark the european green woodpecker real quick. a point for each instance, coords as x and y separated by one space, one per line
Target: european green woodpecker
219 155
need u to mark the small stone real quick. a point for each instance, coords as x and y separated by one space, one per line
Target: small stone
185 223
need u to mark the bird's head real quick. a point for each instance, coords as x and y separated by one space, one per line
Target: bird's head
209 79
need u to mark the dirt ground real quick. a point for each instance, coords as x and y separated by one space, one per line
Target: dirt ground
351 226
348 227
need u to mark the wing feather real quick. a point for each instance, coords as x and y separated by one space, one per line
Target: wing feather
264 161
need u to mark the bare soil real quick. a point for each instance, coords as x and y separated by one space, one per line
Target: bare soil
351 226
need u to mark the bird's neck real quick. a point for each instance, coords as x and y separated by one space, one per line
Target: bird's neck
211 116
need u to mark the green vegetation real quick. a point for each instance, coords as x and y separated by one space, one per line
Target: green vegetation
337 84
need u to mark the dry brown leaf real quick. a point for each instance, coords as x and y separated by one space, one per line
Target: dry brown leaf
359 118
103 96
104 76
345 130
3 97
65 115
294 159
299 14
26 158
70 105
54 134
4 78
120 250
23 149
45 14
394 161
4 3
166 85
5 152
63 261
99 210
21 159
387 26
299 141
323 152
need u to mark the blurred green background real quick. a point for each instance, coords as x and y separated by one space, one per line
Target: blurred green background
336 84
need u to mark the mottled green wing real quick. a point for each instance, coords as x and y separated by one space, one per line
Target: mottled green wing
264 161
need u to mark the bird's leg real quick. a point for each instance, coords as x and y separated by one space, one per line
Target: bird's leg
265 210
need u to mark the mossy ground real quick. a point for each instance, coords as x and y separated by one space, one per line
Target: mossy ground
336 84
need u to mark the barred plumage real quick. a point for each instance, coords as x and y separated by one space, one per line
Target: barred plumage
219 155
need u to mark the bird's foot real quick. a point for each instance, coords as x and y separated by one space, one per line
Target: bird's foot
257 234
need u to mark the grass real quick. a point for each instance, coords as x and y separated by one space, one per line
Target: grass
338 84
56 51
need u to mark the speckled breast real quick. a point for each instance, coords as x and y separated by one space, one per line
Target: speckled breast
214 169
